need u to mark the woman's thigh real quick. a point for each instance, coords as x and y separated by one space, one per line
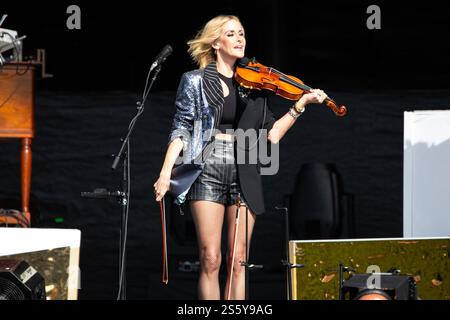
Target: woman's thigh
208 218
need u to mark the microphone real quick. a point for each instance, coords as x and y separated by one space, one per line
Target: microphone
162 56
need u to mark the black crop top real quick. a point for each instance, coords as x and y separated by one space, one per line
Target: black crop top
232 107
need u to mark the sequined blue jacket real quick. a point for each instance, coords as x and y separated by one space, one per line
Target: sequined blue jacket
199 103
194 120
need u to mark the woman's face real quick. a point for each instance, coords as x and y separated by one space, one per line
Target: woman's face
232 41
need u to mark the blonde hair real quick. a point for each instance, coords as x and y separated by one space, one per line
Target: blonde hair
200 48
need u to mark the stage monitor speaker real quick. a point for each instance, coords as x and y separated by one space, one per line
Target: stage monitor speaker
391 287
328 265
51 254
20 281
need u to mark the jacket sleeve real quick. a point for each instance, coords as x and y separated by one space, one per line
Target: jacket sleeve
185 110
269 120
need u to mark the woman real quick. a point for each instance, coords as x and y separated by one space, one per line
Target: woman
209 104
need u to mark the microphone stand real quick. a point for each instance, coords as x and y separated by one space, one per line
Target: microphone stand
125 192
343 269
287 262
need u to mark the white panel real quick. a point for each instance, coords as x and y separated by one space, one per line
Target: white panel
426 179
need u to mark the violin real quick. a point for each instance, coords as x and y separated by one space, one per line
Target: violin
252 75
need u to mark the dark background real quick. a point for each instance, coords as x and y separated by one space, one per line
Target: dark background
320 42
99 73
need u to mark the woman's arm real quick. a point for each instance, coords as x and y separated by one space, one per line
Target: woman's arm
179 136
282 125
162 185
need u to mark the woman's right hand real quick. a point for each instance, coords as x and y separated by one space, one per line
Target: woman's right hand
161 186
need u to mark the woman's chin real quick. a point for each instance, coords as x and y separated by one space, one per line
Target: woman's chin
240 55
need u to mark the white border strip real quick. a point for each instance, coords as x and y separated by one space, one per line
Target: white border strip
22 240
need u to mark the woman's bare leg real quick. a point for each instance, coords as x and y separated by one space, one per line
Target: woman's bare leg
238 282
208 218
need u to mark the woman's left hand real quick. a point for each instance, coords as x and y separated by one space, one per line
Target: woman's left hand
315 96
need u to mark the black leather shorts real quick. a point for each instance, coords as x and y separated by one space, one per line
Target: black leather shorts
219 180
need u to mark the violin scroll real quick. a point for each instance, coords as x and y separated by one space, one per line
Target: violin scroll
339 111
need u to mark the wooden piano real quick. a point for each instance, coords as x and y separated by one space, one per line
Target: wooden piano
17 118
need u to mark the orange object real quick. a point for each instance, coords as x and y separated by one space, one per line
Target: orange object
252 75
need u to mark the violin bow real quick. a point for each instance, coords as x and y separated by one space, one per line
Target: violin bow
236 228
165 269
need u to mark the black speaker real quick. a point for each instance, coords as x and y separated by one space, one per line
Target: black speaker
391 287
315 204
20 281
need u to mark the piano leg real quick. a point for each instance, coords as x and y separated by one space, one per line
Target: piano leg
25 170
